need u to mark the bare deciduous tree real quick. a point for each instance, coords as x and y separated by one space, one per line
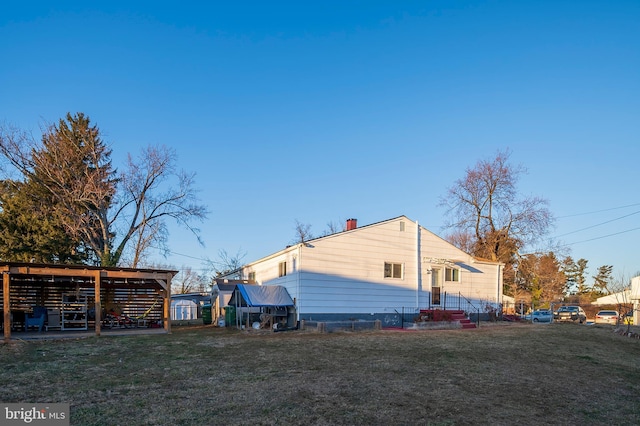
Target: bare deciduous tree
152 234
148 195
188 281
464 240
228 263
620 287
335 227
106 211
303 233
485 204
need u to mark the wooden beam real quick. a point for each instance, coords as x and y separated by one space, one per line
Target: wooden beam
163 283
58 272
155 276
140 275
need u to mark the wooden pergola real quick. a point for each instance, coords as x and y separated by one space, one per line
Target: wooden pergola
83 295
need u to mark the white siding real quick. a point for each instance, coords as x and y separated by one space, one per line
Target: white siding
344 272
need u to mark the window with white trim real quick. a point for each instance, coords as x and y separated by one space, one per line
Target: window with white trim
252 276
452 274
392 270
282 269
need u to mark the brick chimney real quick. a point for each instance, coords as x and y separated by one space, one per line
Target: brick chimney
352 224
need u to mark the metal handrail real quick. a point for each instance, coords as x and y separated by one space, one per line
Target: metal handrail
470 305
460 296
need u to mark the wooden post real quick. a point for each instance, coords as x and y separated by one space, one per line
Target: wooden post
6 306
167 304
98 304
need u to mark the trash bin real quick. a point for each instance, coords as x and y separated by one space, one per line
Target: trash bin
230 315
206 314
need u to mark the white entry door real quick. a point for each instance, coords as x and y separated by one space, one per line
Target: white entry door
436 277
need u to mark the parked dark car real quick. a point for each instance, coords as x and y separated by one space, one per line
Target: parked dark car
570 313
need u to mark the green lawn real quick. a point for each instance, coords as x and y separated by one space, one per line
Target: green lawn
504 374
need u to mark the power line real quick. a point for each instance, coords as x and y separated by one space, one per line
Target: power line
598 224
187 256
213 263
604 236
599 211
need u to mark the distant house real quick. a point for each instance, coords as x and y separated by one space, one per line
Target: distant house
619 298
221 293
630 296
373 271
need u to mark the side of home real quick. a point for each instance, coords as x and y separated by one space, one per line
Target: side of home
389 267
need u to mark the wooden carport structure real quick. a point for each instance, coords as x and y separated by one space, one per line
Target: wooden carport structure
142 294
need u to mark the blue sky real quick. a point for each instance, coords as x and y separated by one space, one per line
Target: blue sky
322 111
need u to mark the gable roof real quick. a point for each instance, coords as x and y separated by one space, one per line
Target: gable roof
357 229
362 227
293 246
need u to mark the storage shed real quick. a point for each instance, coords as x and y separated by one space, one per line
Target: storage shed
183 309
263 307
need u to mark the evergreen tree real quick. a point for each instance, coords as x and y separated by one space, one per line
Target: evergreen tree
580 277
602 280
74 165
575 274
30 231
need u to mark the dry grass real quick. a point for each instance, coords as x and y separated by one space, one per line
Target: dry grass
499 375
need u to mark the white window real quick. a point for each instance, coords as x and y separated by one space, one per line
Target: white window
452 274
392 270
282 269
252 276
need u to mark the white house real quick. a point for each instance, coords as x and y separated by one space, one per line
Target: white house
369 272
630 296
620 298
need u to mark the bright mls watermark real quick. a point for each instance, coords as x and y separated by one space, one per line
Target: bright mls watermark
34 414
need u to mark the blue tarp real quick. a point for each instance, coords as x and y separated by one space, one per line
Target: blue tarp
259 295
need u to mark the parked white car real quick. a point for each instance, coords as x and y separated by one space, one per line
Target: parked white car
607 317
